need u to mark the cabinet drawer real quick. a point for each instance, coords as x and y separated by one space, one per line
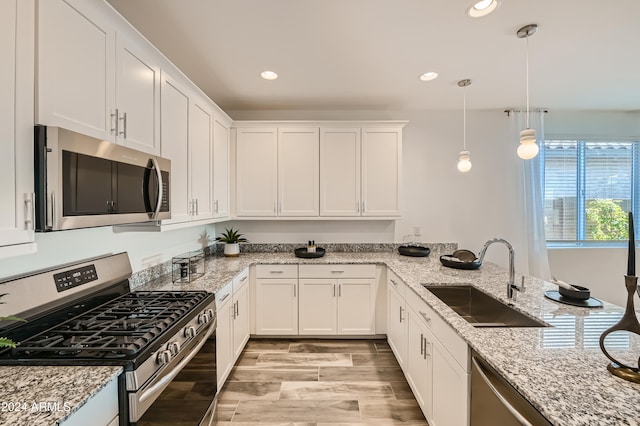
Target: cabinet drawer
453 343
393 281
240 280
277 271
224 294
337 271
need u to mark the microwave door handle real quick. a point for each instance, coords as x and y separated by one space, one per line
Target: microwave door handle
156 167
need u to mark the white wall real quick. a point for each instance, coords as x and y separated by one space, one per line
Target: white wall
145 249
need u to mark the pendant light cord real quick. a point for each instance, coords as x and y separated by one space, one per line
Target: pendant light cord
464 118
527 81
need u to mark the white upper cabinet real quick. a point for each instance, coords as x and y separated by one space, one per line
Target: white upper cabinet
381 171
16 127
221 152
340 172
256 171
201 158
137 96
320 169
95 75
187 128
298 172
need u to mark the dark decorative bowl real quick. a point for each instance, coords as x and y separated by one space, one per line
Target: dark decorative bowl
415 251
583 293
303 253
451 261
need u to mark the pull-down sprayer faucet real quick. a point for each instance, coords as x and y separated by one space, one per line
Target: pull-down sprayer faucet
511 286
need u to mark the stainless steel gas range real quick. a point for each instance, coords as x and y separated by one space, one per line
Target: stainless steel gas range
85 314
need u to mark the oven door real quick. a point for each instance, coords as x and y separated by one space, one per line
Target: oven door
149 405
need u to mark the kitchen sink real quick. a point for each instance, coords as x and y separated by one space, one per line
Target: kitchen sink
480 309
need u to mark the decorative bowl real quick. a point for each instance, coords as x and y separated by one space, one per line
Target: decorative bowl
583 293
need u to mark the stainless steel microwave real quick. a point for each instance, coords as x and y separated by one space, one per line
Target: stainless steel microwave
82 182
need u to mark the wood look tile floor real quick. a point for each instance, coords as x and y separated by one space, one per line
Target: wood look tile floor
316 383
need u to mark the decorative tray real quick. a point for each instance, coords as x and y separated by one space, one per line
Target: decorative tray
303 253
451 261
415 251
591 302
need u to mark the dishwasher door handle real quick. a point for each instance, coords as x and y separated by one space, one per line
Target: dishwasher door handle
487 380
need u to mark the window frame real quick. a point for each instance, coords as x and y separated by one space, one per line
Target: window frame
581 240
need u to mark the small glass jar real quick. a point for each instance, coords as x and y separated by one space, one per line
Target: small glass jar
187 267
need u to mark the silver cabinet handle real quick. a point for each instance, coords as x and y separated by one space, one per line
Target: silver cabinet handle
422 348
426 354
393 282
334 290
339 290
426 318
29 212
276 271
215 206
358 206
337 271
294 290
197 207
225 297
401 314
243 279
114 122
123 133
236 310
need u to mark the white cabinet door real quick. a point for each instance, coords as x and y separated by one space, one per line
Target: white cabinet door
277 306
298 172
419 371
256 172
75 84
200 159
137 96
318 307
16 127
356 306
224 341
340 172
240 319
381 172
397 325
174 145
451 389
220 169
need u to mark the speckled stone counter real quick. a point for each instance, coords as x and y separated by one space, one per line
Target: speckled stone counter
34 396
560 369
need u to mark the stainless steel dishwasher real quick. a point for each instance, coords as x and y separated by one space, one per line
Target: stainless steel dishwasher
496 402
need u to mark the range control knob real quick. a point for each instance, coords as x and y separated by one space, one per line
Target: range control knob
163 357
210 314
203 318
174 347
189 331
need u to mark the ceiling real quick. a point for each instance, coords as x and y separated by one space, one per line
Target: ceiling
369 54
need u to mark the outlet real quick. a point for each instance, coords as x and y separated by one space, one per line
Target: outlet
417 231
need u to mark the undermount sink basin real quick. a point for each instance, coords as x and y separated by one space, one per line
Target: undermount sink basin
480 309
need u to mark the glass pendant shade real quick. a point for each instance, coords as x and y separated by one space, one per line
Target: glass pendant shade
528 147
464 161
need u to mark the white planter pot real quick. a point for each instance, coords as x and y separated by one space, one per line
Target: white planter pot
232 249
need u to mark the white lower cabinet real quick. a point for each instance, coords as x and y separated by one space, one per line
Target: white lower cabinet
232 330
276 299
419 363
434 358
101 409
337 299
397 318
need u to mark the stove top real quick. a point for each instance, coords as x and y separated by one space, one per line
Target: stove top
117 329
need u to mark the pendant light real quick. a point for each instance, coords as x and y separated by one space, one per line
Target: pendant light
464 158
528 148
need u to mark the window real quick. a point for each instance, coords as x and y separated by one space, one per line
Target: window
588 189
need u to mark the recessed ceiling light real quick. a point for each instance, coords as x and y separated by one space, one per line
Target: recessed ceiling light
482 8
428 76
269 75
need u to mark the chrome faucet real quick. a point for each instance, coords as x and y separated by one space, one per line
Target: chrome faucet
511 286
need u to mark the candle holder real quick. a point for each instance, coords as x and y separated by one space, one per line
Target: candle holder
628 322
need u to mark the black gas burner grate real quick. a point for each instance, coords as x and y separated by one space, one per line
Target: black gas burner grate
119 328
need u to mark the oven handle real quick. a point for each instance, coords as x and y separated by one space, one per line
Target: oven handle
164 381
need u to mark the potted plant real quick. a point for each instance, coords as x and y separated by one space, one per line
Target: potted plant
5 342
231 238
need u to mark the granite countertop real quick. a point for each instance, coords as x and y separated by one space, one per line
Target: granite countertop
560 369
34 396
